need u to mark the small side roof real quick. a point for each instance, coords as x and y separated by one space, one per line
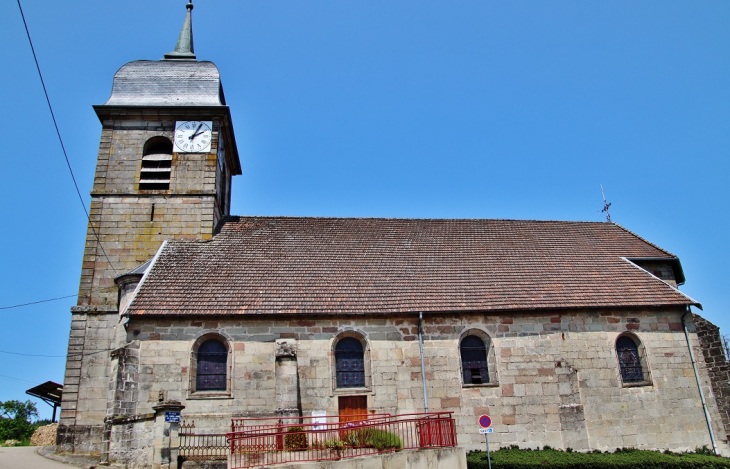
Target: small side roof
50 391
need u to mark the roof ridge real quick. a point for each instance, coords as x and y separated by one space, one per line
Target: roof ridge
310 217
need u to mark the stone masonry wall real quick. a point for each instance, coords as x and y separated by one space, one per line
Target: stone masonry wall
131 224
717 365
126 228
557 380
85 388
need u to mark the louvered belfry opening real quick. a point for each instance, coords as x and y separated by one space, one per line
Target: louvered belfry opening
474 360
156 164
350 363
212 361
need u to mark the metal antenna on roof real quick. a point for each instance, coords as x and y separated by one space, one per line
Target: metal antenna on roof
605 205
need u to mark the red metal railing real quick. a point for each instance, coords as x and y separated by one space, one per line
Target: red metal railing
258 442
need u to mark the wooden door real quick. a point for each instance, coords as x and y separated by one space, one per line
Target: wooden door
353 408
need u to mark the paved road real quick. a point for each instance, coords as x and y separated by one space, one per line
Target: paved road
25 457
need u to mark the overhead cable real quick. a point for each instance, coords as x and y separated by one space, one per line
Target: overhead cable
32 355
58 132
36 302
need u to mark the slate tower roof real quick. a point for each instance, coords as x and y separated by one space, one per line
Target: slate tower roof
177 80
167 83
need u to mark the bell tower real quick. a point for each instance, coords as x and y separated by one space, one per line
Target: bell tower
166 158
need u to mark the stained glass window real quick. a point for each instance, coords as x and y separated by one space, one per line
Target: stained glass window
212 360
350 363
474 360
629 360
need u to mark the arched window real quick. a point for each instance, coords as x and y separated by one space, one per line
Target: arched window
156 164
630 360
474 360
212 366
350 363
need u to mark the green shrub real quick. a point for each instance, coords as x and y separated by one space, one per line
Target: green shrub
383 440
623 458
334 444
372 438
15 420
295 439
704 450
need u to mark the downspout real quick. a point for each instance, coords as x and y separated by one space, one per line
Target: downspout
423 365
699 384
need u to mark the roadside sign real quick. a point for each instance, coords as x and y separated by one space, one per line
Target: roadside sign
485 422
172 417
319 419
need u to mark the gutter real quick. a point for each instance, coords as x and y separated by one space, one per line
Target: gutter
423 365
699 384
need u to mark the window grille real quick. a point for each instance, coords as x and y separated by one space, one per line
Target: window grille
212 361
350 363
629 360
474 360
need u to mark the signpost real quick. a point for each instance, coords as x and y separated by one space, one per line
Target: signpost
485 423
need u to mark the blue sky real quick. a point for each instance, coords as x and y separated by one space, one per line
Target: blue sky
399 108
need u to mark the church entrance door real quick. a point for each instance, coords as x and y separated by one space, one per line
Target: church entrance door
353 408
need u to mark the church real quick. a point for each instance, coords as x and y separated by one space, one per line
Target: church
568 334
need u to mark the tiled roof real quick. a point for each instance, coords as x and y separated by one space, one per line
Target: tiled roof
167 83
289 265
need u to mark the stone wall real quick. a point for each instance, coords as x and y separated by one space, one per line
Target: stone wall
126 228
131 440
432 458
86 381
132 224
718 367
557 380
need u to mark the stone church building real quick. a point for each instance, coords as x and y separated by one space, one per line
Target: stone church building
568 334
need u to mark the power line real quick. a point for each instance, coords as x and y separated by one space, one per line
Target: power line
17 379
32 355
76 354
36 302
58 132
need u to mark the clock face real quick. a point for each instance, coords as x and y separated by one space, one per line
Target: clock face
193 136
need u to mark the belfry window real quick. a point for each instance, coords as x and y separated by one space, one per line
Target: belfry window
156 164
212 366
474 360
350 363
630 358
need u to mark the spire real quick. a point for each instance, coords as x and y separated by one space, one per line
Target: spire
184 49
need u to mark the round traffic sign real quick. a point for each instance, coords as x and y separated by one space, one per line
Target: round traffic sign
485 421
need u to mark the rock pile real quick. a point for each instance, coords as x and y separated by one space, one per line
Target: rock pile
44 436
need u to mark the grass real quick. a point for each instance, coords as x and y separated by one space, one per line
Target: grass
22 442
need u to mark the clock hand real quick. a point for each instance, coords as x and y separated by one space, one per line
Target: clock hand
196 133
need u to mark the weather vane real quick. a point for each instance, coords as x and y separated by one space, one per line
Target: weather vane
605 205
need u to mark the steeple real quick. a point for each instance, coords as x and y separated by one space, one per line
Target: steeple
184 49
